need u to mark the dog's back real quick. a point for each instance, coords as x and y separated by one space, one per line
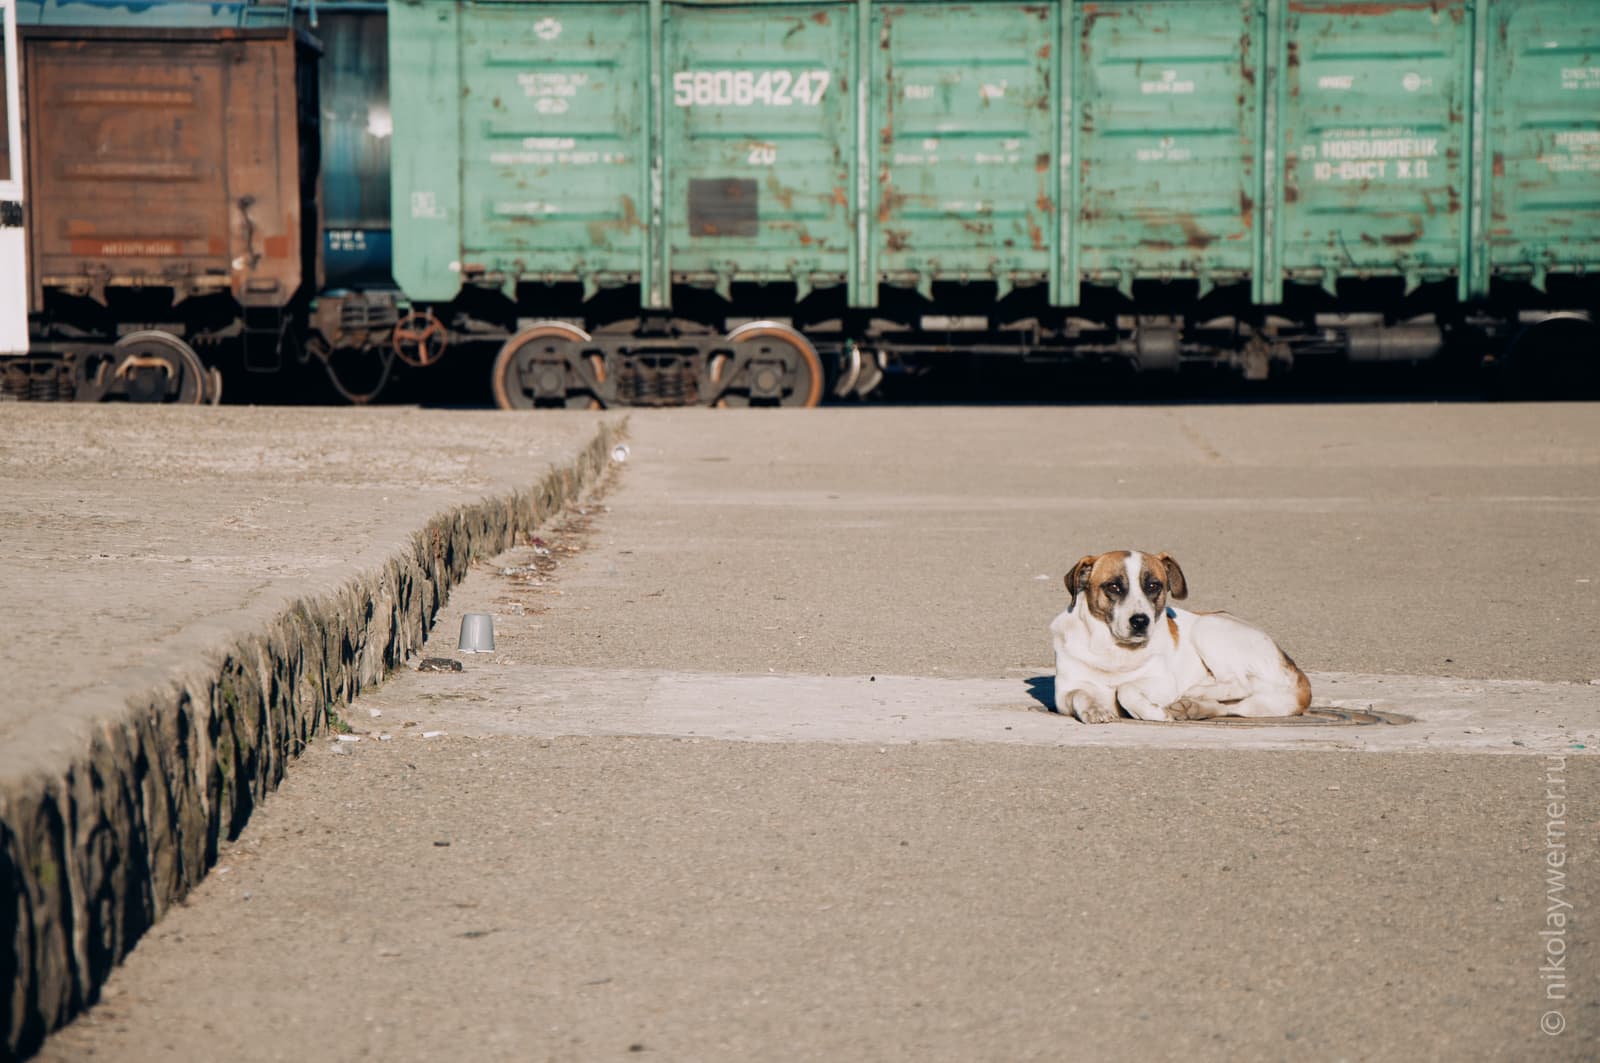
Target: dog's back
1245 673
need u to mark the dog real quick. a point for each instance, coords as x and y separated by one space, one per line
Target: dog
1120 645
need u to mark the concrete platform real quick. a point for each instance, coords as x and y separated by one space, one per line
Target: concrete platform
830 847
1369 713
191 594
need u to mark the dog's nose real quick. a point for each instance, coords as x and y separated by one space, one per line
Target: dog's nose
1139 622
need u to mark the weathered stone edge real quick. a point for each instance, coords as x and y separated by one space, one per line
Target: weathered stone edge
93 856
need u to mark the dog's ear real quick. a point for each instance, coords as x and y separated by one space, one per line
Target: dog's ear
1177 586
1078 579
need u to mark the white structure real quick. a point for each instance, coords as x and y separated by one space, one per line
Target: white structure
13 246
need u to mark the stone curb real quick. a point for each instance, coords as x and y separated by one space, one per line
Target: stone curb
93 856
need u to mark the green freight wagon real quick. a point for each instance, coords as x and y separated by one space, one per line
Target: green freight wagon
660 202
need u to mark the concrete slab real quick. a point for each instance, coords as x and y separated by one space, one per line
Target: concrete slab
1413 713
189 593
140 541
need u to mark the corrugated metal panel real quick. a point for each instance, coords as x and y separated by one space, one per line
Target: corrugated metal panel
964 105
164 157
1543 143
1167 140
524 142
552 137
1373 138
757 131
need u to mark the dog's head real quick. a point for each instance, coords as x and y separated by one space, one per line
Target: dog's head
1126 590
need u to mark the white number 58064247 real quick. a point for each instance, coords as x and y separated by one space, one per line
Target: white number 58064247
749 88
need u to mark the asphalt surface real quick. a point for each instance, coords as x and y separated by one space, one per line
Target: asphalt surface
515 895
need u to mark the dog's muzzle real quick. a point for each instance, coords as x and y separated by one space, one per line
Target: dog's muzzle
1137 634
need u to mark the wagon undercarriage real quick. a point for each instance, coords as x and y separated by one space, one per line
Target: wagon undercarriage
659 360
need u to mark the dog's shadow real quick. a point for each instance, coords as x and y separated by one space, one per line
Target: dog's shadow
1043 690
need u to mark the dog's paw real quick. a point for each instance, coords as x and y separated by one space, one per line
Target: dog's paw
1087 708
1094 712
1186 709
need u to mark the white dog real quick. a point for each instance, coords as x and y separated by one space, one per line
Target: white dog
1120 644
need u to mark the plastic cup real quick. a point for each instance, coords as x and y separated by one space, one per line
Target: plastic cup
477 633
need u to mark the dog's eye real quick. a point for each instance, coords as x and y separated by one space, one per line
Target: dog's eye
1152 589
1114 589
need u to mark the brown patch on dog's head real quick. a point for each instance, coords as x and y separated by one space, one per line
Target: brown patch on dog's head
1155 580
1077 578
1103 581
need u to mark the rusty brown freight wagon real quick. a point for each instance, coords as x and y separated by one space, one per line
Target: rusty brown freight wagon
173 215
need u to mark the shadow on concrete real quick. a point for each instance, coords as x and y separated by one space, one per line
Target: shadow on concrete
1042 688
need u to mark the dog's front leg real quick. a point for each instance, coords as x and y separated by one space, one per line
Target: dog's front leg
1088 708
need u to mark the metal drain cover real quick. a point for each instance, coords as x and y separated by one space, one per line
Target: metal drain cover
1313 717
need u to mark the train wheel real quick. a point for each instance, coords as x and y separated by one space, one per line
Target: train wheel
156 366
1558 357
214 386
771 365
545 365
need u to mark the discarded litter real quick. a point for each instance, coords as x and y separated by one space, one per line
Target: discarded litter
347 738
433 734
619 453
439 664
477 633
